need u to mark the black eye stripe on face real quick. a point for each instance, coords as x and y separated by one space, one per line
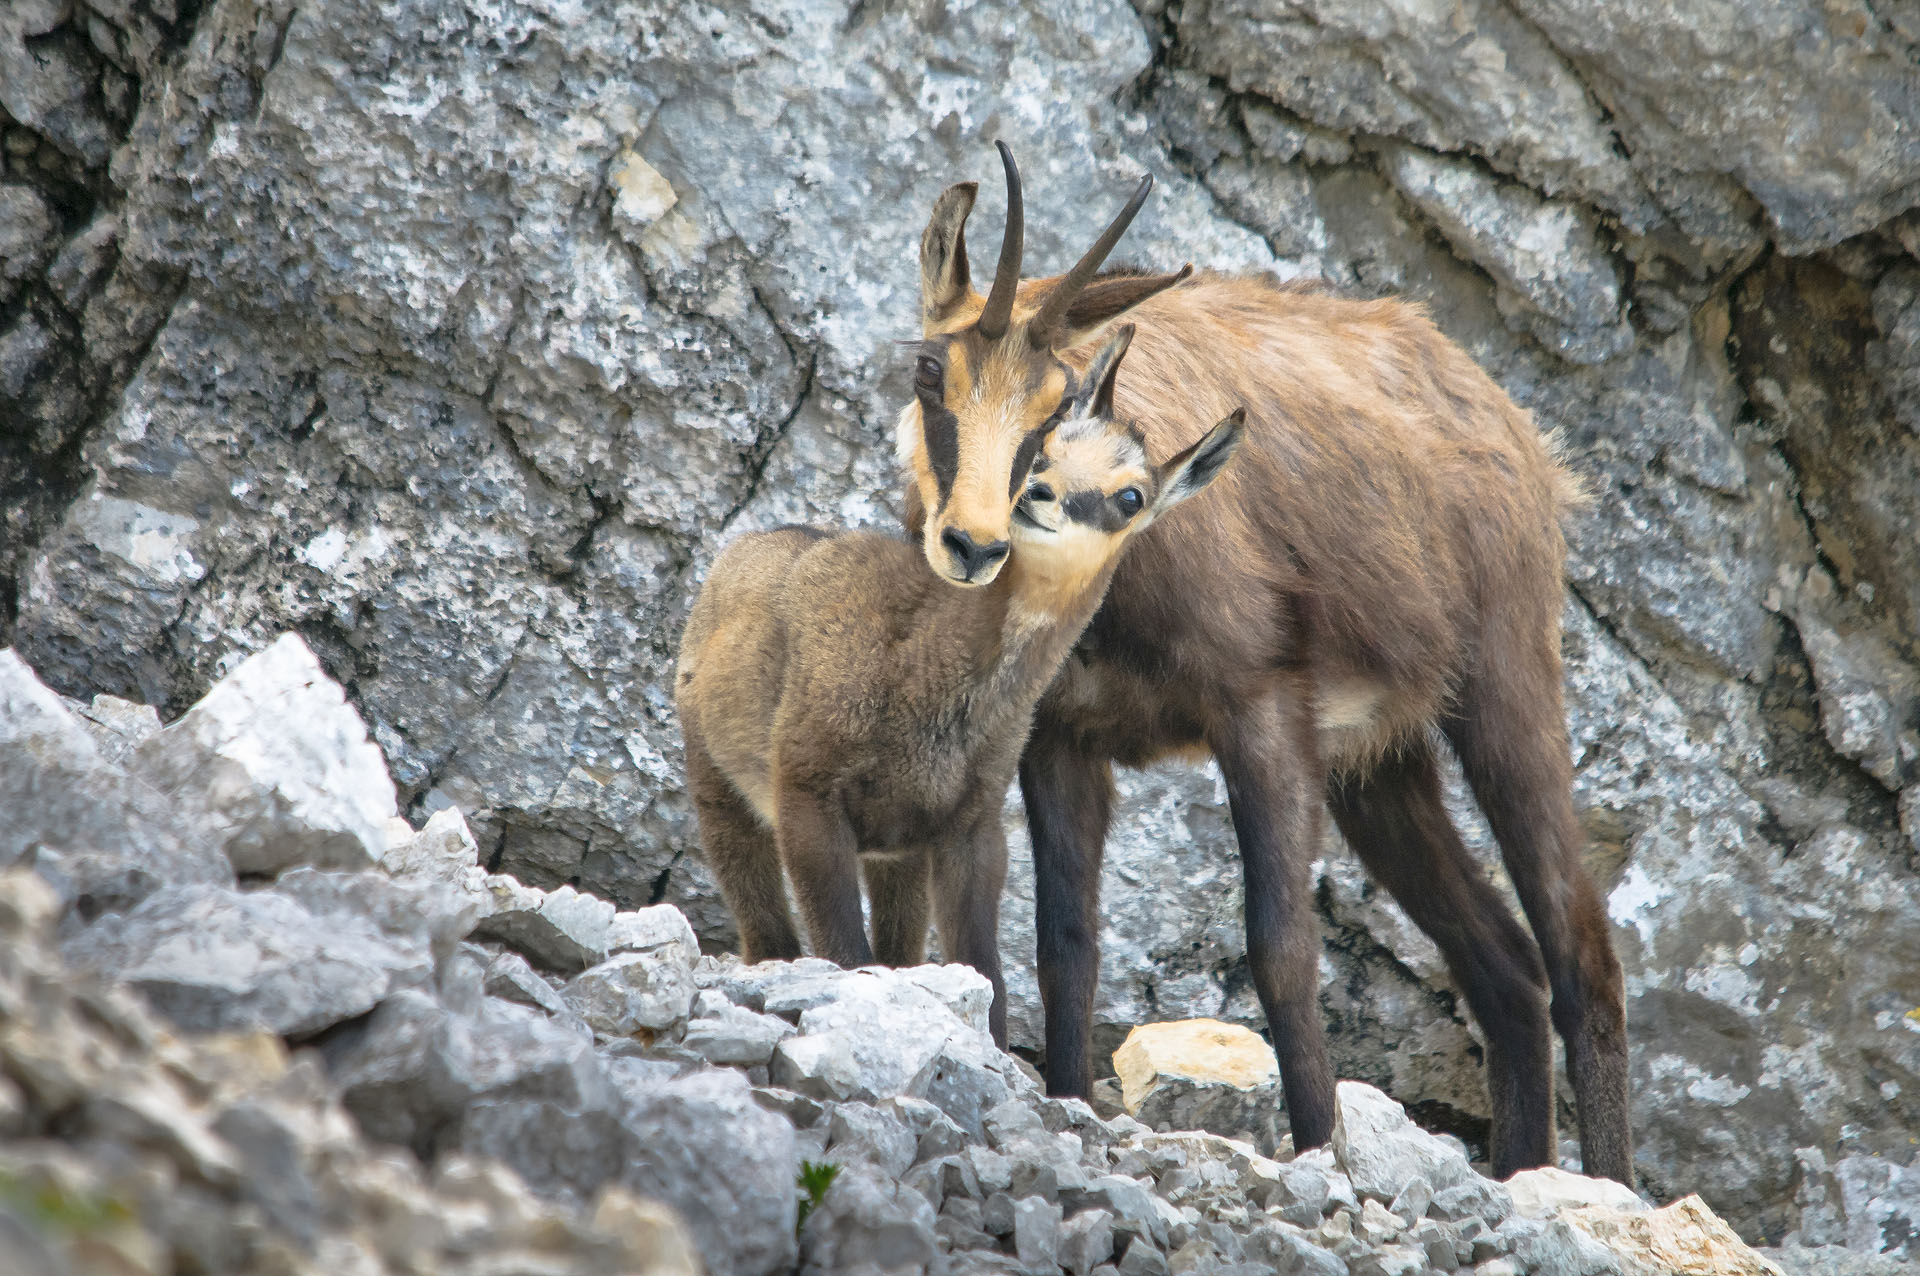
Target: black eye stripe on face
1024 460
941 429
1095 510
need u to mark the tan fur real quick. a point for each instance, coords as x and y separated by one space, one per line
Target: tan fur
1385 559
841 704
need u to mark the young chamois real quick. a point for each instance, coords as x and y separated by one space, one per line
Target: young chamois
1385 560
846 711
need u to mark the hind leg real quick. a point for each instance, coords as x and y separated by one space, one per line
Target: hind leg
1511 737
897 895
741 852
1394 819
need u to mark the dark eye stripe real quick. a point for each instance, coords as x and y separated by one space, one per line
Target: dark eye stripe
942 431
1023 460
1094 509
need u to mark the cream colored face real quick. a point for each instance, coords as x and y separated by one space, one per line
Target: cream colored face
980 413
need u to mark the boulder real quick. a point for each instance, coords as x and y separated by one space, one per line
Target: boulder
561 930
107 838
212 959
1682 1239
1549 1190
1382 1150
1201 1074
866 1222
277 765
634 992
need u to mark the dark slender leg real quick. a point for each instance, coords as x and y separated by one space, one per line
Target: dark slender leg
1274 785
897 894
1513 748
968 876
740 850
1068 797
1396 822
817 846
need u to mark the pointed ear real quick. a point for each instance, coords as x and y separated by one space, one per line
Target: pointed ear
1095 394
1105 300
944 277
1189 473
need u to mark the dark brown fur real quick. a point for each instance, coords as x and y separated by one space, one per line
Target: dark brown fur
1386 559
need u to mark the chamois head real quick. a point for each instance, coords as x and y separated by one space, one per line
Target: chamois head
1092 486
988 384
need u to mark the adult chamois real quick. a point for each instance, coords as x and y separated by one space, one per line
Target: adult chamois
846 711
1386 559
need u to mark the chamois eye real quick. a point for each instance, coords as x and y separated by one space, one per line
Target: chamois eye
1129 500
1039 492
926 374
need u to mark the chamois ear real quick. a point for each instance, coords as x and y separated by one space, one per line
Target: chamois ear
1095 395
1188 473
1105 300
944 278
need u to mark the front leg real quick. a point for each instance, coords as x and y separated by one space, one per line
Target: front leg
822 860
1069 796
1269 757
969 873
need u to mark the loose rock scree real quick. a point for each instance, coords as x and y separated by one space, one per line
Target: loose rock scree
848 713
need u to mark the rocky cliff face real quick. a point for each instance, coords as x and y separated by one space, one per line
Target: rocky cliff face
458 337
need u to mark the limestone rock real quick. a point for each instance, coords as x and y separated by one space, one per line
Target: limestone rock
1381 1150
117 838
277 764
632 992
214 959
562 930
1550 1190
1682 1239
1201 1074
866 1222
730 1034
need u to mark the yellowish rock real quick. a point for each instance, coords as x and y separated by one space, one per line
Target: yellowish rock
1197 1051
1550 1189
1682 1239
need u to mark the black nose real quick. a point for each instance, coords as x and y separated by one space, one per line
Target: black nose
970 557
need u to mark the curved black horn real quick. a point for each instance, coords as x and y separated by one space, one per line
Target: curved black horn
1006 276
1040 331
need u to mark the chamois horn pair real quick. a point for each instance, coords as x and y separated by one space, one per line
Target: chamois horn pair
1006 276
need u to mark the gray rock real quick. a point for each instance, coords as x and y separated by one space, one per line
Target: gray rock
213 959
26 235
117 726
1382 1151
1553 273
1477 1197
728 1034
108 839
1833 1260
859 1131
1142 1259
866 1223
1557 1248
563 930
509 977
1086 1241
726 1164
647 928
413 1067
1036 1233
651 991
275 763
